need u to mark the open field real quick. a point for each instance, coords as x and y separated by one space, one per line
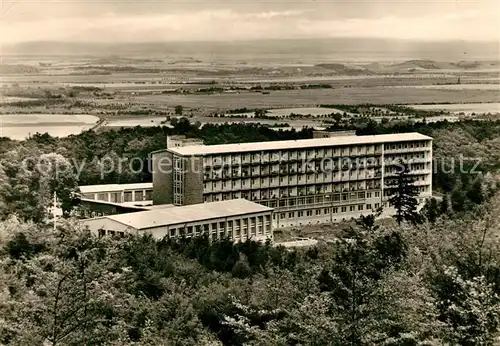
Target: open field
145 88
10 99
466 108
177 79
489 86
308 98
20 126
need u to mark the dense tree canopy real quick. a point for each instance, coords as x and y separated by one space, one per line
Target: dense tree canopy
435 283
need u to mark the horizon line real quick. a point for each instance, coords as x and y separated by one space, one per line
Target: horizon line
255 40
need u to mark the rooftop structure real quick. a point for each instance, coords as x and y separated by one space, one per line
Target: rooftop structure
328 134
182 141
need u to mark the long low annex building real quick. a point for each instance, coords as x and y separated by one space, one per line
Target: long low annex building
138 193
236 219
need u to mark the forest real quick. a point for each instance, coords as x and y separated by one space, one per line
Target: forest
431 282
466 156
435 283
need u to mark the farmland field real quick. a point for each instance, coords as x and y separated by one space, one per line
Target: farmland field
467 108
490 86
9 99
144 90
308 98
20 126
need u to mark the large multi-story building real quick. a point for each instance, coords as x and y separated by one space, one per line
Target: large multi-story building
307 181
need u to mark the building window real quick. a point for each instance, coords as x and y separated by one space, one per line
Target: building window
369 207
102 233
344 209
309 213
139 195
102 196
127 196
318 211
290 215
301 213
360 207
326 210
352 208
115 197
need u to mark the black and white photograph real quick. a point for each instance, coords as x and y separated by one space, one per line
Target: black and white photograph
255 173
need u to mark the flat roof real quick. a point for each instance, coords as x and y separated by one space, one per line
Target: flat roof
188 213
294 144
114 187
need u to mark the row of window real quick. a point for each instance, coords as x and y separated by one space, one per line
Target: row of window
328 211
413 168
414 178
407 145
116 197
327 164
103 233
361 173
276 155
253 225
420 189
178 185
307 198
285 155
396 158
300 190
315 186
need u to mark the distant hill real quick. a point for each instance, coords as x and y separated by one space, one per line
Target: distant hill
344 69
305 50
416 65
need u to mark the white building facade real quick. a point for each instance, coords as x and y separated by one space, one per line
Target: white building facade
119 193
308 181
237 220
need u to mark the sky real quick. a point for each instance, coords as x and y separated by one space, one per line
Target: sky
168 20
